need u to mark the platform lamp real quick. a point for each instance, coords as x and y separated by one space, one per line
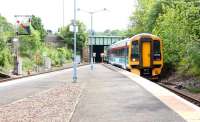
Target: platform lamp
91 31
75 29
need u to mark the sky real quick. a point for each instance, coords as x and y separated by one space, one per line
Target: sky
51 12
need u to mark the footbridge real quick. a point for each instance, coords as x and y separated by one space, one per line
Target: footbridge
100 44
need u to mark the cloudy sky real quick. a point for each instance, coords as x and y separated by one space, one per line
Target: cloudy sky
51 12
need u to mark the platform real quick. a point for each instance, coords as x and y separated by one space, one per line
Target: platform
110 96
104 95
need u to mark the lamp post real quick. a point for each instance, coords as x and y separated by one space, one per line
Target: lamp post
91 31
63 7
74 63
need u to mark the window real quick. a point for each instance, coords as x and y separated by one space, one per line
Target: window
156 50
135 51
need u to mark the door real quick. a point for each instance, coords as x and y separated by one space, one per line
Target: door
146 54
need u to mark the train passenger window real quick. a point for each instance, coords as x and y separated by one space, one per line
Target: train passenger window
135 51
113 52
117 52
156 50
123 52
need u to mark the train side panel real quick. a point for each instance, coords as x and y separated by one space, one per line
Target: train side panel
118 54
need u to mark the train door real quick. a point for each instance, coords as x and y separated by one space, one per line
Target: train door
146 54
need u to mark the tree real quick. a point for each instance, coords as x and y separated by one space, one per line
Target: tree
82 36
138 20
6 33
29 44
6 29
177 22
108 32
37 25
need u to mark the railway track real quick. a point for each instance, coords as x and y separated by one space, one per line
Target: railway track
181 94
169 87
57 69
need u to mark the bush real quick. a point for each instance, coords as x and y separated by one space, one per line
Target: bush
59 56
29 44
27 64
5 58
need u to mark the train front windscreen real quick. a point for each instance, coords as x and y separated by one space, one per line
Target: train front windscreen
135 51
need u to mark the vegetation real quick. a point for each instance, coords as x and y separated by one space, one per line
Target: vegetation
193 90
6 32
177 22
34 50
82 36
37 25
112 33
32 47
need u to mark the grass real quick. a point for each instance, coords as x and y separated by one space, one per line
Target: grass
193 90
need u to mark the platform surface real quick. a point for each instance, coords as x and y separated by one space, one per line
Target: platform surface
108 95
112 97
21 88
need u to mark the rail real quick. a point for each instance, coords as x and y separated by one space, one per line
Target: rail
181 94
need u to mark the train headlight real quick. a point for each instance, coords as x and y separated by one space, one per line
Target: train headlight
134 59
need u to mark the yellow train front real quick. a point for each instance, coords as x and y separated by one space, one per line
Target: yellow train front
146 55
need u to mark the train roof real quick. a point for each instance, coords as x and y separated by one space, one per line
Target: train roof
144 35
123 42
126 41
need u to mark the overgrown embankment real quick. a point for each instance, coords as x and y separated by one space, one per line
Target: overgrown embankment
177 22
32 48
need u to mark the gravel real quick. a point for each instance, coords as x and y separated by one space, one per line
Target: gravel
53 105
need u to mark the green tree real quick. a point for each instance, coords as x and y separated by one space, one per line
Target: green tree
37 25
6 29
6 34
112 33
81 36
177 22
138 19
29 44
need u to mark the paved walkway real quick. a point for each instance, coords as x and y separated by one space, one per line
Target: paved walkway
22 88
112 97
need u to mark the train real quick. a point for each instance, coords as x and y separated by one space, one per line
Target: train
141 54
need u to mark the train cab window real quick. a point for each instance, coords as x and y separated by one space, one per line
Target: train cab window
156 50
135 51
